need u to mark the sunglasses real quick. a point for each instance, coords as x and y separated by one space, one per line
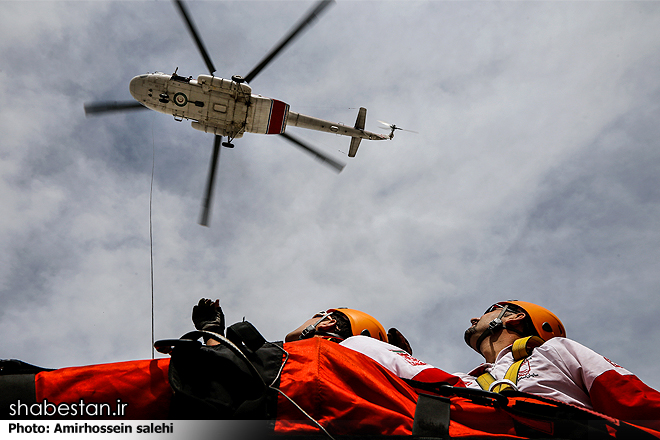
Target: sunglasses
493 308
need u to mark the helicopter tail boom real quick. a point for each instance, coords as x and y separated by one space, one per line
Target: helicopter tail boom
303 121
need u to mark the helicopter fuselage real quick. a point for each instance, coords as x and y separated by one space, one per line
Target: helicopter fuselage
227 108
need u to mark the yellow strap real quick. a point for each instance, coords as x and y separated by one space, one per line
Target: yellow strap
512 375
521 349
485 380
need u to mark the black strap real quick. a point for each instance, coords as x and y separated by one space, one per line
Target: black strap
431 417
245 333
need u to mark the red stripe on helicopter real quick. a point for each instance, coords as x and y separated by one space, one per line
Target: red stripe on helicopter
277 118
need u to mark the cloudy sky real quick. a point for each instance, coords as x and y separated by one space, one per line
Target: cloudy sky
534 174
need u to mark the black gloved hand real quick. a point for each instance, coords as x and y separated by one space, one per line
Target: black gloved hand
396 338
207 315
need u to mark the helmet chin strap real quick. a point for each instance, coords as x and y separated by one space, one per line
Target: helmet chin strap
494 325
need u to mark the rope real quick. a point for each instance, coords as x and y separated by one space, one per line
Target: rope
151 237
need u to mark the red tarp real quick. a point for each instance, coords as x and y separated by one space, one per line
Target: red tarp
346 392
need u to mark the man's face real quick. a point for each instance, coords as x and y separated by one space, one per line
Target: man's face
295 335
480 325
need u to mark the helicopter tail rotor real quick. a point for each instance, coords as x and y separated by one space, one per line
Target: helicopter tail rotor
393 127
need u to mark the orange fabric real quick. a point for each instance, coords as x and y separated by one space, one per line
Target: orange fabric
468 419
345 391
435 375
143 385
350 394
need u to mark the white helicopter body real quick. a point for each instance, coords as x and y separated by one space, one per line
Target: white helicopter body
227 108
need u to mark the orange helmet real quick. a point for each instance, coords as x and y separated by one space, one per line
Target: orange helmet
546 323
362 323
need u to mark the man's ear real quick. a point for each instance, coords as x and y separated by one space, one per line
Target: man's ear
514 320
327 325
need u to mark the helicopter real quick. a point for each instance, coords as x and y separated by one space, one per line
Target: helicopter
228 108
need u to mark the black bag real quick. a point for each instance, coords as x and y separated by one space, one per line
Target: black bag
235 380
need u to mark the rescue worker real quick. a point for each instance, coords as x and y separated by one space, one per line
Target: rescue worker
390 350
350 328
525 348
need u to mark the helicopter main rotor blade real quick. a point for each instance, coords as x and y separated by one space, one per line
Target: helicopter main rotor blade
306 21
333 163
112 106
193 31
208 194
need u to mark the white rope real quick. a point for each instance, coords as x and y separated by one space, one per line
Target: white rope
151 238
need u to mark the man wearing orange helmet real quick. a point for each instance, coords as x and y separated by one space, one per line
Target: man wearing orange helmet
526 349
361 332
350 328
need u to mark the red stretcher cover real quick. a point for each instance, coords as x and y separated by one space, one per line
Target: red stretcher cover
343 390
